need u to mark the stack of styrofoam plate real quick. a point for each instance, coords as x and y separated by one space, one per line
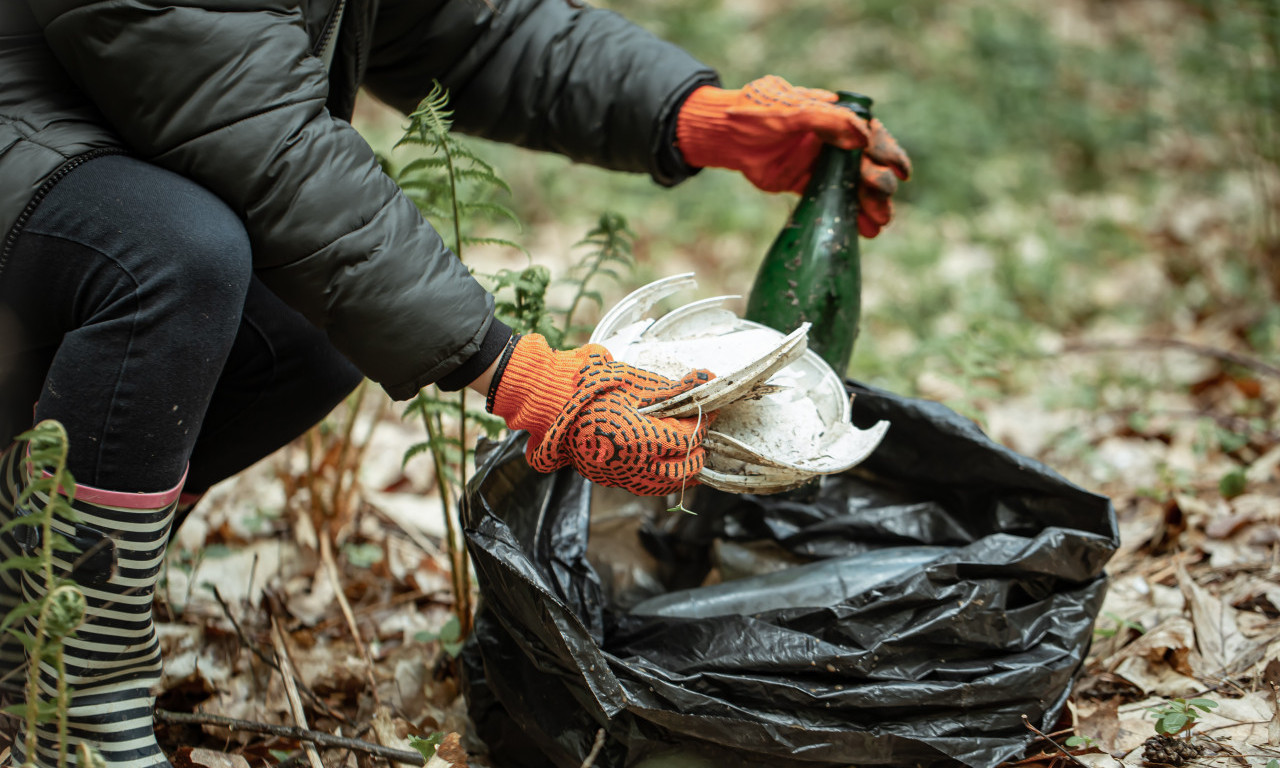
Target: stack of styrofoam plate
782 415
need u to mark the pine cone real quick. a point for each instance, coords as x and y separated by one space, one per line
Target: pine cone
1168 750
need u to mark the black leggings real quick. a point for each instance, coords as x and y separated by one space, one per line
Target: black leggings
129 312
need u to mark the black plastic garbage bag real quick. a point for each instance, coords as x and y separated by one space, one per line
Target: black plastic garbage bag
908 612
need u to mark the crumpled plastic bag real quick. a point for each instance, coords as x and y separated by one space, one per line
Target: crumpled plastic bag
907 612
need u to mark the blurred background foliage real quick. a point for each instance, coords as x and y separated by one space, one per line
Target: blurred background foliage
1084 170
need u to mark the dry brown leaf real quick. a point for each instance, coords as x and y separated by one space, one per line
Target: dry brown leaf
190 657
1255 596
1264 467
1134 599
1161 661
239 574
1271 673
390 731
198 757
449 754
1099 760
1217 633
312 602
1100 720
1263 536
1227 525
1260 506
1241 720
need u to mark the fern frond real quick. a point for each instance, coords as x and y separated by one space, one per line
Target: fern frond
498 241
429 210
422 164
432 118
595 297
496 209
493 426
612 242
411 451
484 173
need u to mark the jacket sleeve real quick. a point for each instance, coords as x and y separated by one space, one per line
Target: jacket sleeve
230 95
543 74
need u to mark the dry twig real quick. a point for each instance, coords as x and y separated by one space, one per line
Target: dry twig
291 691
270 662
319 738
331 567
595 750
1059 747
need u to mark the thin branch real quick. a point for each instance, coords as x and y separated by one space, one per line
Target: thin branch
1056 745
319 738
595 750
428 547
457 551
291 691
386 605
273 663
1040 757
363 447
1203 731
344 447
464 554
331 567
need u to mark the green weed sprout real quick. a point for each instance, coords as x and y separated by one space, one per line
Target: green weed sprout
1174 717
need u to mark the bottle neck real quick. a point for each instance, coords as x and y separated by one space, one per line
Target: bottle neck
838 171
835 175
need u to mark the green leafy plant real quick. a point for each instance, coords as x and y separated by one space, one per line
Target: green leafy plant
453 185
426 747
449 637
1175 716
611 244
522 301
1121 623
363 555
1233 483
1082 741
63 606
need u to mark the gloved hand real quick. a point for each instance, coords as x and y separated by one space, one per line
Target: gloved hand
581 408
771 131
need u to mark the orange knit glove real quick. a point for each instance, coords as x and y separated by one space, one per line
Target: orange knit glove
771 131
581 408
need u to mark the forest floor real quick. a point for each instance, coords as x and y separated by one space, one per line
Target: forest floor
1192 612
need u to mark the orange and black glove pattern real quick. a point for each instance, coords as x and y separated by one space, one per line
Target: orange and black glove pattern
581 409
772 131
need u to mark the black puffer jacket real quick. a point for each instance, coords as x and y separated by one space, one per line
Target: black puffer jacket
232 94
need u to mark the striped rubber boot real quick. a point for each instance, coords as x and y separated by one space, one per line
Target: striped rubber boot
11 654
113 658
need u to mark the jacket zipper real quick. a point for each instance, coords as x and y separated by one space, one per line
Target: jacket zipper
330 28
42 191
360 33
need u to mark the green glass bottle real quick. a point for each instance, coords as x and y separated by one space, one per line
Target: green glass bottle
813 272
